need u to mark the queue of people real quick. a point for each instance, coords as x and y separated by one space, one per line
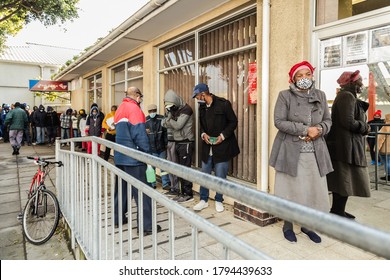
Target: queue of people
315 152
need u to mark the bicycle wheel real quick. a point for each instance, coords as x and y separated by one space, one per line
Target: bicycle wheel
40 217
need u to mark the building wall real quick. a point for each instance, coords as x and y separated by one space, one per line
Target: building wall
14 82
289 43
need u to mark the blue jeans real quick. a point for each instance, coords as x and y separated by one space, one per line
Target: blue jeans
164 175
386 162
220 169
40 135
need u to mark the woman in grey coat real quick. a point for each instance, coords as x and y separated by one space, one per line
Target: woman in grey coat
299 153
346 143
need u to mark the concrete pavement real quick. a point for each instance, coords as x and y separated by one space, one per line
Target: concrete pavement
16 173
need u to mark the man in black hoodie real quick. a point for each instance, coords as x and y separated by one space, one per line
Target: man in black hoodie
40 124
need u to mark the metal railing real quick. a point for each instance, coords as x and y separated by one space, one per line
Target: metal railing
85 188
377 154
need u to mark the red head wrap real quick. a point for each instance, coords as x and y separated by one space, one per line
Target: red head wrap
348 77
299 66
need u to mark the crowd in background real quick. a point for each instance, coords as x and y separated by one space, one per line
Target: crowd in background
44 125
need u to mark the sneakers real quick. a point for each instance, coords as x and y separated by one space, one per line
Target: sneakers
219 207
185 198
312 235
290 236
372 162
201 205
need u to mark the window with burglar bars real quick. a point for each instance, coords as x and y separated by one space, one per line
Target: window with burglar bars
225 52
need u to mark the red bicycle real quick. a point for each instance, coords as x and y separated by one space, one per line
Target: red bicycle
42 211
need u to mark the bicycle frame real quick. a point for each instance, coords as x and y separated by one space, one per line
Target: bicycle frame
37 180
41 214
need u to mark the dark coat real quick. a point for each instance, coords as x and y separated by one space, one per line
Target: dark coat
346 141
16 118
52 119
157 134
214 120
39 118
95 125
290 116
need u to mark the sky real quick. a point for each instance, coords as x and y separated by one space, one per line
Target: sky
96 19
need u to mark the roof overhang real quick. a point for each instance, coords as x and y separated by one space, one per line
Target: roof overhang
150 22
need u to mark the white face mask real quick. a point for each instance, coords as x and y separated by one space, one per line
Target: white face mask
200 101
153 115
304 83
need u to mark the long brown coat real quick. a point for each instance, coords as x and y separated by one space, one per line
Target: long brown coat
291 115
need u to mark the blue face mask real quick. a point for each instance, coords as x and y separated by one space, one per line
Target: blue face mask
153 115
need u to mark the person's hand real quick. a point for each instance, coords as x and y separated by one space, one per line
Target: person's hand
313 133
206 138
219 140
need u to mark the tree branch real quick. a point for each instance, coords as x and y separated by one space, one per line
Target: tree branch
10 5
10 15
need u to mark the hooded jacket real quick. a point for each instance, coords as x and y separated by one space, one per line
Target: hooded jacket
52 119
94 123
39 117
180 121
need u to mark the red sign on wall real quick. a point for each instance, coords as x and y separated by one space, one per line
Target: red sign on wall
252 83
42 85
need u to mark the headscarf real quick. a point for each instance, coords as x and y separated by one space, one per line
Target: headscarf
299 66
379 113
348 77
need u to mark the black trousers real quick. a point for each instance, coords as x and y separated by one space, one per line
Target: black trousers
184 157
107 152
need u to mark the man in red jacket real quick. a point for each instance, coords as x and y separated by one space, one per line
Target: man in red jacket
131 132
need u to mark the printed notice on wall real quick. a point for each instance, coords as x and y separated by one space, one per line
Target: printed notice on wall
331 53
380 44
252 83
356 48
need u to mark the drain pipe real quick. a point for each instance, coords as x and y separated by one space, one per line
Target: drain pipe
265 95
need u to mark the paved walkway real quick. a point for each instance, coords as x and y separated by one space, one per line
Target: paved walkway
16 172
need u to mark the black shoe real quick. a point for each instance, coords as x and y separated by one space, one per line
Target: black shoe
172 193
149 232
290 236
312 235
349 215
384 178
124 222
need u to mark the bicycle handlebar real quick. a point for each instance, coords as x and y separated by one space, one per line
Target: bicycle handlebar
41 160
